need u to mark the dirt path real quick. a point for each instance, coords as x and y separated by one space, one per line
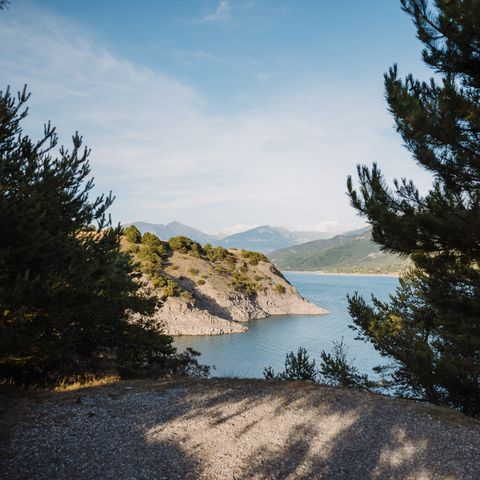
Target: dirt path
233 429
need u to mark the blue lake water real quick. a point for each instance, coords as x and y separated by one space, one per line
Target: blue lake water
268 340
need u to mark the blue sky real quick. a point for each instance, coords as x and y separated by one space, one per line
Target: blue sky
222 114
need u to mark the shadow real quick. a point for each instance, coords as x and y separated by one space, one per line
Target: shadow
242 429
204 301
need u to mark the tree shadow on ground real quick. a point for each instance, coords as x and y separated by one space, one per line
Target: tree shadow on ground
223 428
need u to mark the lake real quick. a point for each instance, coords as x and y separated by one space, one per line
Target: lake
268 340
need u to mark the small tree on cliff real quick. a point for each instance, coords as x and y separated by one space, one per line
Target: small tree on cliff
65 287
431 327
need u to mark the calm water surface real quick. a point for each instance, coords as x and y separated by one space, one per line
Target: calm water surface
267 341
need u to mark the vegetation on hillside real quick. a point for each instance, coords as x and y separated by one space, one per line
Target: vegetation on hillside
154 256
340 254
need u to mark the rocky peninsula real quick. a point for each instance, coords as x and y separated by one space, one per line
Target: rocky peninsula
205 290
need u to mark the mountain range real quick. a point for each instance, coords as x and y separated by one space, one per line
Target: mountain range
263 239
174 229
350 252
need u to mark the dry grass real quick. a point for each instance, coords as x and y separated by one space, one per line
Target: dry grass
78 385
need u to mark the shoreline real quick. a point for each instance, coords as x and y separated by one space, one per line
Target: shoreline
342 274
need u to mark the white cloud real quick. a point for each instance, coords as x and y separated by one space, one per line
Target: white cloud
326 226
157 143
222 13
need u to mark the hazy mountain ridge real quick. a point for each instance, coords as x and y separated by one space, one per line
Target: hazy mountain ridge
174 229
264 238
352 252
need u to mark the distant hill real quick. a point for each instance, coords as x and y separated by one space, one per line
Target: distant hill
263 239
174 229
352 252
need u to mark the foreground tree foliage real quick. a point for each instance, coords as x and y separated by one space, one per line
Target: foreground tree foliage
431 327
66 290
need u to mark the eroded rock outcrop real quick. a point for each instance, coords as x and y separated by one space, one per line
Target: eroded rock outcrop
211 291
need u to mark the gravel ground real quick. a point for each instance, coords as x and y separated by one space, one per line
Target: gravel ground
231 429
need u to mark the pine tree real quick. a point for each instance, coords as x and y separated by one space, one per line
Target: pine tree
431 327
65 287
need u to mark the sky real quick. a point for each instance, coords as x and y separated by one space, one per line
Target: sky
221 114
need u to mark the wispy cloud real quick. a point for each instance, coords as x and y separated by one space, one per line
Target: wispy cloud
221 14
159 145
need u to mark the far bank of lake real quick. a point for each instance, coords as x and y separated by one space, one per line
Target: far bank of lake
267 341
341 274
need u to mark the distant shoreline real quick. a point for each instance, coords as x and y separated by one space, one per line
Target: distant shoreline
353 274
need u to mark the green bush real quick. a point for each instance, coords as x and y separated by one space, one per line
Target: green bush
254 257
280 289
335 369
151 239
241 282
168 286
216 254
193 271
186 245
220 269
132 234
152 255
201 282
297 367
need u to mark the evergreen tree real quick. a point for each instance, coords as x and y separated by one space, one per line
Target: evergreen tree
65 287
431 327
298 366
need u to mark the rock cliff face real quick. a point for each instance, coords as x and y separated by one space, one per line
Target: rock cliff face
211 290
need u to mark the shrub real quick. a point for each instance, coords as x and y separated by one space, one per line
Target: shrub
200 282
186 245
216 254
242 283
132 234
254 257
336 370
297 367
151 239
280 289
193 271
152 255
186 363
149 354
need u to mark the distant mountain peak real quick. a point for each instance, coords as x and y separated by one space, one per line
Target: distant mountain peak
264 238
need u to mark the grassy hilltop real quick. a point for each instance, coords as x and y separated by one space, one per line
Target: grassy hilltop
349 253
